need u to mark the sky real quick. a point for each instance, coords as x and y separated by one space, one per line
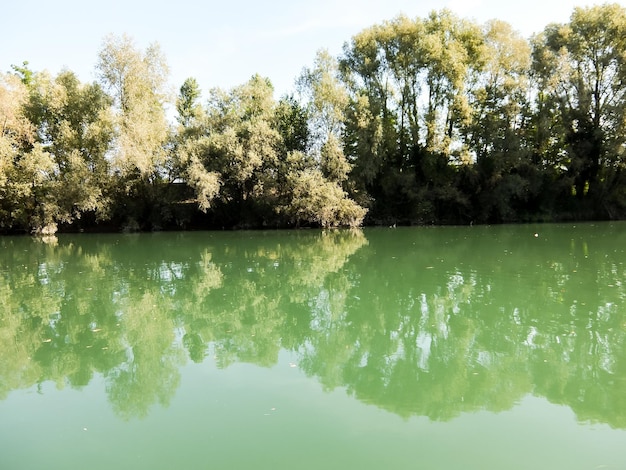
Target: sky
223 43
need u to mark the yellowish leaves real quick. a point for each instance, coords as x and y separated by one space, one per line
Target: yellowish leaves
206 183
13 124
333 161
137 81
319 200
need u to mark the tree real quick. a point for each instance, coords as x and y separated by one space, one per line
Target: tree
496 137
225 150
452 50
292 124
137 83
315 199
409 84
500 93
16 135
29 183
187 150
190 112
581 71
73 123
327 100
23 72
242 139
370 133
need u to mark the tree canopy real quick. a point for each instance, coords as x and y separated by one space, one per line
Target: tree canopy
418 121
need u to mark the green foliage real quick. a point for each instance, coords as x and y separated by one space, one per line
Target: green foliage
189 110
419 120
333 162
23 72
247 158
292 124
136 82
581 67
315 199
73 122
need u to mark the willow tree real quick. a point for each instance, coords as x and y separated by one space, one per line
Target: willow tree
249 162
242 139
409 82
499 97
29 186
188 152
452 50
16 135
326 99
137 82
496 136
581 69
227 147
370 133
27 172
72 121
400 41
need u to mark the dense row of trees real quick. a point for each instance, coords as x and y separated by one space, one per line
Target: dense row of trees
435 119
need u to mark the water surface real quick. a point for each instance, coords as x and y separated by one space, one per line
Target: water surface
450 347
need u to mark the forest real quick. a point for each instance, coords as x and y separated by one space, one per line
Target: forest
435 120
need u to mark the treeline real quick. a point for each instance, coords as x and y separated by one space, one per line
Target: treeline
418 121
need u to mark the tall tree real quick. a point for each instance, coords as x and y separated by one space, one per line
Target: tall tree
370 130
327 99
189 144
581 68
189 110
496 137
409 82
51 149
242 138
16 137
73 122
137 82
500 92
452 50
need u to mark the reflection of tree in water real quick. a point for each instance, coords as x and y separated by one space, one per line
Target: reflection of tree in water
428 322
86 310
47 321
261 306
127 308
461 324
150 372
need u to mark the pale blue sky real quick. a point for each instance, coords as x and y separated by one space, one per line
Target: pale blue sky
223 43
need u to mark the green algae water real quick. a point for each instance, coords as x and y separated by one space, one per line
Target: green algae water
435 348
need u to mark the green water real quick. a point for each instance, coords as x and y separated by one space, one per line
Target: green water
434 348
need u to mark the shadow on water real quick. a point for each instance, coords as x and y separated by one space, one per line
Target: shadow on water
428 322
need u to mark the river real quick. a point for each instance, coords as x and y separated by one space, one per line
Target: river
432 347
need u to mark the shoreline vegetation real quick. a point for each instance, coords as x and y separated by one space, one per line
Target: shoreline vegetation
435 120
